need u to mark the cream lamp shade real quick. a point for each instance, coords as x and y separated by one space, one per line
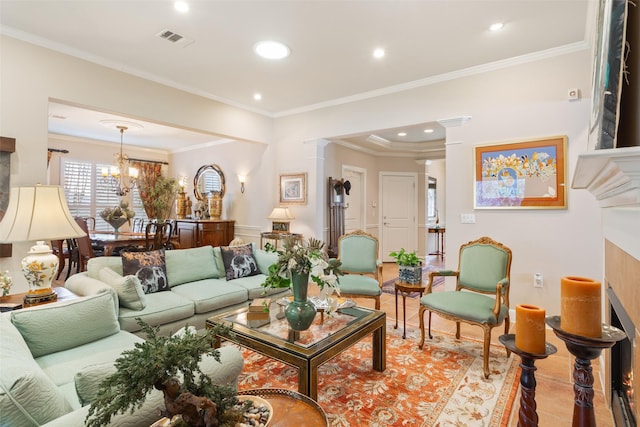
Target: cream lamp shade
38 213
280 218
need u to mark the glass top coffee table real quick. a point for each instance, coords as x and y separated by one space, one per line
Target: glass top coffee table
328 336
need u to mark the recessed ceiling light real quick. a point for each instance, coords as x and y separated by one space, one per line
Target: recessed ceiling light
402 134
378 53
496 27
181 6
257 96
270 49
428 131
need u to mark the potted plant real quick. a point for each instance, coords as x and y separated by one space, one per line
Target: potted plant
158 196
409 266
169 364
298 264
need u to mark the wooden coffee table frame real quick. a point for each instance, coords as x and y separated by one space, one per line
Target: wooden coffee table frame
307 359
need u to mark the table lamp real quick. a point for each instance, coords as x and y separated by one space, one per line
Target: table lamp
38 213
280 220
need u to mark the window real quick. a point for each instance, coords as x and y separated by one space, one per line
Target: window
88 193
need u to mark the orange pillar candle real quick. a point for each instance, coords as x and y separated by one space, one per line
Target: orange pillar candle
530 329
581 306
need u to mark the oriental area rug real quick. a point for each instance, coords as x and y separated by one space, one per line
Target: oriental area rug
441 385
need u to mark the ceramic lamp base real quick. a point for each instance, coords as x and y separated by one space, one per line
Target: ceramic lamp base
39 268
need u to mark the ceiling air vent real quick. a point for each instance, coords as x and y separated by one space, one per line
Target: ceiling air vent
174 37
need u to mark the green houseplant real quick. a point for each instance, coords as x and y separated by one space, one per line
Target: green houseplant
169 364
158 195
409 266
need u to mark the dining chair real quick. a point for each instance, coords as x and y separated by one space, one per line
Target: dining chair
481 296
84 247
91 222
65 251
358 255
158 235
138 225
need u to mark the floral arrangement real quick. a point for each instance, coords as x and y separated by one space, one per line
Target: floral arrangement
121 211
304 258
5 283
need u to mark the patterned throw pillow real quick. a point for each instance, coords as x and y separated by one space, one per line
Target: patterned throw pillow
239 261
149 267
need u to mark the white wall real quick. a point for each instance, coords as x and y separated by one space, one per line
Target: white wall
253 160
507 105
524 105
30 76
515 103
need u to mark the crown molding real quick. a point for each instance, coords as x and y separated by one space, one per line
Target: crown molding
611 175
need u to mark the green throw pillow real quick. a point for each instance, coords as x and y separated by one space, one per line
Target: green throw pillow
88 380
55 327
128 288
190 265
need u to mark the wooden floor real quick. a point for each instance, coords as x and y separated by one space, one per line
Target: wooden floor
554 375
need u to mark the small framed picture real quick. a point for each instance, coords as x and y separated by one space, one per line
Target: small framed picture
293 189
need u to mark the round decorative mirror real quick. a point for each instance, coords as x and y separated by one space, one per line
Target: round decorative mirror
209 180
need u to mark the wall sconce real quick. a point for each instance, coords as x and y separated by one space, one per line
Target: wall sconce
242 180
182 182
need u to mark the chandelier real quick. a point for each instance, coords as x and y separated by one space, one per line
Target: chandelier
122 176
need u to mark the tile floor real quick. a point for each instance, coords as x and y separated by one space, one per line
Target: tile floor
554 375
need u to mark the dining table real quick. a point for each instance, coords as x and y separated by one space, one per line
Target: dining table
111 240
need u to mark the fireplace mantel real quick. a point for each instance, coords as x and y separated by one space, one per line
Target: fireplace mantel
611 175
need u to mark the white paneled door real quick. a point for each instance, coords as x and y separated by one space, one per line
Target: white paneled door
398 207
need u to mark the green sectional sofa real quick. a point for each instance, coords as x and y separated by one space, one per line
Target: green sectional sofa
198 288
53 356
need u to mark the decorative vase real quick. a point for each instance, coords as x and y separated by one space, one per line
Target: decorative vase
116 223
215 206
410 274
300 312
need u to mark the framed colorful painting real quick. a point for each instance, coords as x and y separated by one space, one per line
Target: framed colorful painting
293 189
521 175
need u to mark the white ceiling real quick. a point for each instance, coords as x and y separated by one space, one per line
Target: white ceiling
331 46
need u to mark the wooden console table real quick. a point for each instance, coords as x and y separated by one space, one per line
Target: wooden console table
439 232
276 238
196 233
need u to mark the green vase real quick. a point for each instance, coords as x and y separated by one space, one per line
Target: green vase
300 312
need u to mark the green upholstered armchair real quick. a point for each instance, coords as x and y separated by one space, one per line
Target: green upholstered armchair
358 253
481 296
